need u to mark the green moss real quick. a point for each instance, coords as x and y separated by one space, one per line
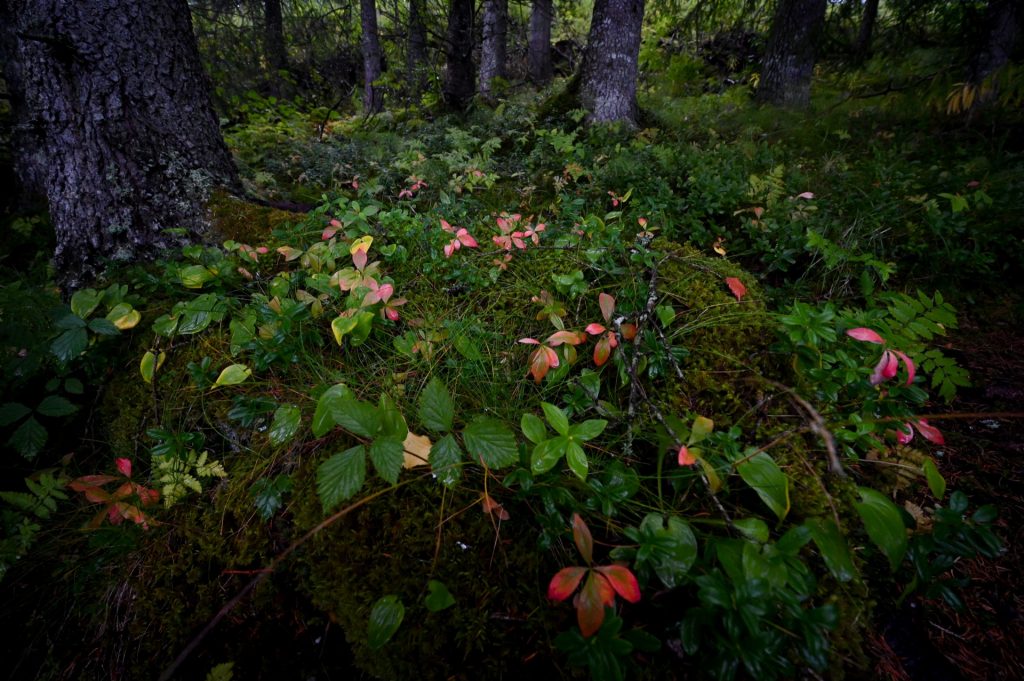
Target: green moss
246 222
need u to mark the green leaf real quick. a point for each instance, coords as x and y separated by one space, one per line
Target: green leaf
547 454
222 672
491 441
356 327
936 483
285 424
665 314
84 302
701 428
752 528
356 416
437 410
385 618
467 348
556 417
387 455
884 524
124 316
233 375
577 460
323 418
74 386
29 438
446 460
268 494
533 428
165 325
832 544
766 478
670 550
70 321
70 345
55 405
439 597
341 476
588 430
195 276
392 423
11 412
103 327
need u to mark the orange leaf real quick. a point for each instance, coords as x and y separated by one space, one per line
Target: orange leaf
565 582
622 580
581 535
685 457
596 594
737 287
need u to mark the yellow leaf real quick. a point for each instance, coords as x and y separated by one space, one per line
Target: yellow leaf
417 450
360 244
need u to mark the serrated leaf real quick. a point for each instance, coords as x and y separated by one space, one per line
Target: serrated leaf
356 416
533 428
467 348
884 524
385 618
446 460
268 494
55 405
233 375
833 548
285 424
556 418
323 418
74 386
765 477
70 345
491 441
436 407
103 327
387 455
438 598
11 412
29 438
85 301
341 476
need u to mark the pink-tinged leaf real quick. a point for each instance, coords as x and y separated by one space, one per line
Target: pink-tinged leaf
596 594
565 582
595 329
359 259
96 495
517 239
607 304
904 433
466 238
124 466
886 368
494 508
758 212
289 253
929 432
864 334
685 457
89 481
330 231
622 580
570 337
147 496
603 349
909 364
262 250
737 287
541 360
805 195
628 330
529 341
584 541
642 222
451 247
447 227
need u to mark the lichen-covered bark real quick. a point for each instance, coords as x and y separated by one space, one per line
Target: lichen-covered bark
457 88
114 126
273 36
493 45
539 55
416 49
789 58
609 71
373 96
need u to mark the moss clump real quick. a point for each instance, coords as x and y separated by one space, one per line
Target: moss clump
246 222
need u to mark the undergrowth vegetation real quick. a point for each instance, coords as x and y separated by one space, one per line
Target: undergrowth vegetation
521 396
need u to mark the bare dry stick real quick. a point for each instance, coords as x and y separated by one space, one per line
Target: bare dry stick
817 425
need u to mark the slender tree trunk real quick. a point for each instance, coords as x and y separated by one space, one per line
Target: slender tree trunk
373 95
789 60
1002 19
493 46
457 88
416 49
610 69
539 56
273 36
114 125
867 28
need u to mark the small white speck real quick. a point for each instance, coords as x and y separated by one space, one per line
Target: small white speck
461 545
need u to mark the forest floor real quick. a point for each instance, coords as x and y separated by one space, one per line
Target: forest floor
984 457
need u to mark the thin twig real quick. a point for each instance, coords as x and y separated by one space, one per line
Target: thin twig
817 425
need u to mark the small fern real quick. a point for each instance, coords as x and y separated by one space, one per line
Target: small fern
178 475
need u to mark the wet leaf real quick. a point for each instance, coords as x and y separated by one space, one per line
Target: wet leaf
884 524
341 476
285 424
765 477
385 618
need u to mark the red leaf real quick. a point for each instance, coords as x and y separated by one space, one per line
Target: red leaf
910 366
904 434
628 330
595 329
607 304
685 457
124 466
885 369
602 350
565 582
541 360
581 535
622 580
864 334
597 592
494 508
737 287
930 433
570 337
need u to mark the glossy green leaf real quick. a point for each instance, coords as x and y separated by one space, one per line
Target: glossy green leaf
166 325
341 476
356 416
547 454
556 417
85 301
438 598
577 460
765 477
752 528
884 524
833 547
285 424
70 345
147 367
491 441
446 460
392 423
533 428
588 430
103 327
357 328
387 455
233 375
323 417
385 618
436 408
665 314
55 405
668 547
936 483
29 438
124 316
268 494
195 276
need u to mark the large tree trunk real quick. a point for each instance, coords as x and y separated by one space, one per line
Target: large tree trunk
114 125
373 96
867 28
609 72
1002 24
273 36
789 59
457 88
539 56
416 50
493 46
